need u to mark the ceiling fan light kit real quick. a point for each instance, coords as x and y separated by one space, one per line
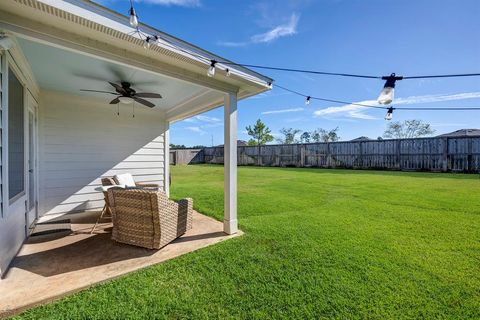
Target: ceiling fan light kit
125 100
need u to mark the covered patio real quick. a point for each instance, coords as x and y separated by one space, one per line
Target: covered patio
51 266
61 64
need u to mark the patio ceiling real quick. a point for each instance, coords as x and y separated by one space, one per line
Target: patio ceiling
67 71
66 42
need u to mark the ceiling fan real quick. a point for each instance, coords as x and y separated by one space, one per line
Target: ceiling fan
126 94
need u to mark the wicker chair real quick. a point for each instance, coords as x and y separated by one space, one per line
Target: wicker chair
110 181
147 218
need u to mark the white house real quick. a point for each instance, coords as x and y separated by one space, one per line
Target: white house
58 141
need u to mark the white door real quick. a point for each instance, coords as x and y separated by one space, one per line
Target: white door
32 212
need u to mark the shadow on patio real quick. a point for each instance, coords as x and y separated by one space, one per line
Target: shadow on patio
52 265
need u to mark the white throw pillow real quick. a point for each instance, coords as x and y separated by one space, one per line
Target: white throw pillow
125 179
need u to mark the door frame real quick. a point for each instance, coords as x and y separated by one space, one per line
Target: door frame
32 106
18 205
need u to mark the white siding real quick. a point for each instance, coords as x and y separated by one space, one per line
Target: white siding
83 139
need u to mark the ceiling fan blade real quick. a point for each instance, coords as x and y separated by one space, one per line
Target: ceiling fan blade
118 88
148 95
144 102
87 90
115 101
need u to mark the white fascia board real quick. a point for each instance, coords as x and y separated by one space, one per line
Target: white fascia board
101 15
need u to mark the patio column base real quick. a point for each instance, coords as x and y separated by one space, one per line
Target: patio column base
230 226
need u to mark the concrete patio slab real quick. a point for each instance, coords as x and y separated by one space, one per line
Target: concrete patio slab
51 266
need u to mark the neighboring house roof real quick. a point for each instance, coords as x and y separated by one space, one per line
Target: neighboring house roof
240 143
362 138
462 133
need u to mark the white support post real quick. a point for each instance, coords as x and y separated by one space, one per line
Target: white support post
166 157
230 224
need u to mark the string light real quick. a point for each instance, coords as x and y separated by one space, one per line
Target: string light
307 100
146 44
387 94
211 69
133 16
389 115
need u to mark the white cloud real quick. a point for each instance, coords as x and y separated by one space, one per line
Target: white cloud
182 3
437 98
358 112
202 122
283 30
202 118
349 110
207 119
196 130
282 111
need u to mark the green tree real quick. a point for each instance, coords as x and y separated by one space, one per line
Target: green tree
260 134
289 135
177 146
305 137
322 135
408 129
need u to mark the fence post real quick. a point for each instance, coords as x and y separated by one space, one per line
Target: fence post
259 155
399 154
360 158
328 155
445 155
302 155
469 155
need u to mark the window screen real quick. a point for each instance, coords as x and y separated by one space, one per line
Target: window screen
16 141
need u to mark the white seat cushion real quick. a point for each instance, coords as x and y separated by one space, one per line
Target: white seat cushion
105 188
125 179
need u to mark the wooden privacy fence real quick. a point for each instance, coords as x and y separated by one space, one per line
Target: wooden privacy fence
422 154
186 156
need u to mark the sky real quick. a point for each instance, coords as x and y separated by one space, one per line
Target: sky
374 37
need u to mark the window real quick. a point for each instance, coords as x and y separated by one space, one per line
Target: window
16 141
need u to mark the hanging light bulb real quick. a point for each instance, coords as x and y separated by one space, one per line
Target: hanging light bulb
146 44
389 115
228 72
133 17
388 91
307 101
211 69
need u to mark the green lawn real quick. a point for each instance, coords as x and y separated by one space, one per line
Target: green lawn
317 244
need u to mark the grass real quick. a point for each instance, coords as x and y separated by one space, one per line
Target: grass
317 244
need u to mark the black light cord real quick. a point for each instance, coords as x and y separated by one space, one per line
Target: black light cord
213 62
351 75
329 100
348 74
376 107
303 71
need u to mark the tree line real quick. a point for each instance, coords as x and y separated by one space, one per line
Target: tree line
261 134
